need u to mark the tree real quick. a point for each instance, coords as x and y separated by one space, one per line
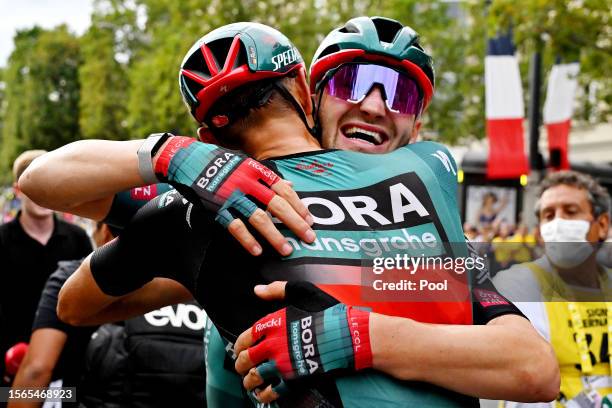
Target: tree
42 92
578 30
106 49
154 99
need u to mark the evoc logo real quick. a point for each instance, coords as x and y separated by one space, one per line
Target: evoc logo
187 315
402 201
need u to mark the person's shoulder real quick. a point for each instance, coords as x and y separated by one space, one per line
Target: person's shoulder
518 283
428 146
7 226
435 155
8 230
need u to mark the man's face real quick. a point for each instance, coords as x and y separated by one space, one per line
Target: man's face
368 126
571 203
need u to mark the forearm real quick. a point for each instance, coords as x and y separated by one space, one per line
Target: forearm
82 303
158 293
29 377
505 359
82 177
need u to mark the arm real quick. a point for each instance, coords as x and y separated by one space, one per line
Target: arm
35 371
473 360
83 303
132 274
83 177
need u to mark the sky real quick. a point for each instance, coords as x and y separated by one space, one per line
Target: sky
18 14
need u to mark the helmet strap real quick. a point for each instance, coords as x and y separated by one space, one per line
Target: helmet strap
298 108
317 121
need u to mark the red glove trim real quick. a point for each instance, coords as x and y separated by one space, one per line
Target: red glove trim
175 143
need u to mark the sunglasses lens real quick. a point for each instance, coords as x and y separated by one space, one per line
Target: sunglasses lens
353 82
407 98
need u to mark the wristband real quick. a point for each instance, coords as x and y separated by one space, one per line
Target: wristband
146 151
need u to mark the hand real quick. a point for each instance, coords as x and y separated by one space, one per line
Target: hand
221 179
300 343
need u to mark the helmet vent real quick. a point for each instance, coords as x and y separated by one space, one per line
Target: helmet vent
347 29
192 86
387 29
220 50
197 64
329 50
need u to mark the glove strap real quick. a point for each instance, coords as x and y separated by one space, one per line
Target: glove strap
146 151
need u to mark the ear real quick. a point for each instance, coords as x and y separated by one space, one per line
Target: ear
302 92
415 130
107 234
603 222
16 188
206 136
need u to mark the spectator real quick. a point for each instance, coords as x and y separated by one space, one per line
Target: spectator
490 208
148 361
564 292
30 247
470 231
522 244
501 247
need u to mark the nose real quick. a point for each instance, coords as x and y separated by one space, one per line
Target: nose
373 104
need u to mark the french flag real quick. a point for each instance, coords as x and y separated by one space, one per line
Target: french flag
504 111
558 110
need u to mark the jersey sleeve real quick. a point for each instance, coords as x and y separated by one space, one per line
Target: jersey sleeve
127 203
167 238
487 302
46 314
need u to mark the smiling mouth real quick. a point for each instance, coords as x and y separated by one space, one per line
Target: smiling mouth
370 136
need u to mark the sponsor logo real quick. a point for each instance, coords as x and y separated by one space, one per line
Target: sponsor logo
229 350
419 241
285 58
446 161
355 334
298 357
167 198
307 347
185 315
488 298
269 324
252 55
268 174
363 210
393 216
315 167
144 193
214 168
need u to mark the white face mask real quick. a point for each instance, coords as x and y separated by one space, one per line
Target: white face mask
565 242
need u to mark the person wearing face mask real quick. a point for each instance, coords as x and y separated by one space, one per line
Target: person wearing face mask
564 293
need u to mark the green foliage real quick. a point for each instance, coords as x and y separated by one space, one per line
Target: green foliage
104 83
576 30
42 92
